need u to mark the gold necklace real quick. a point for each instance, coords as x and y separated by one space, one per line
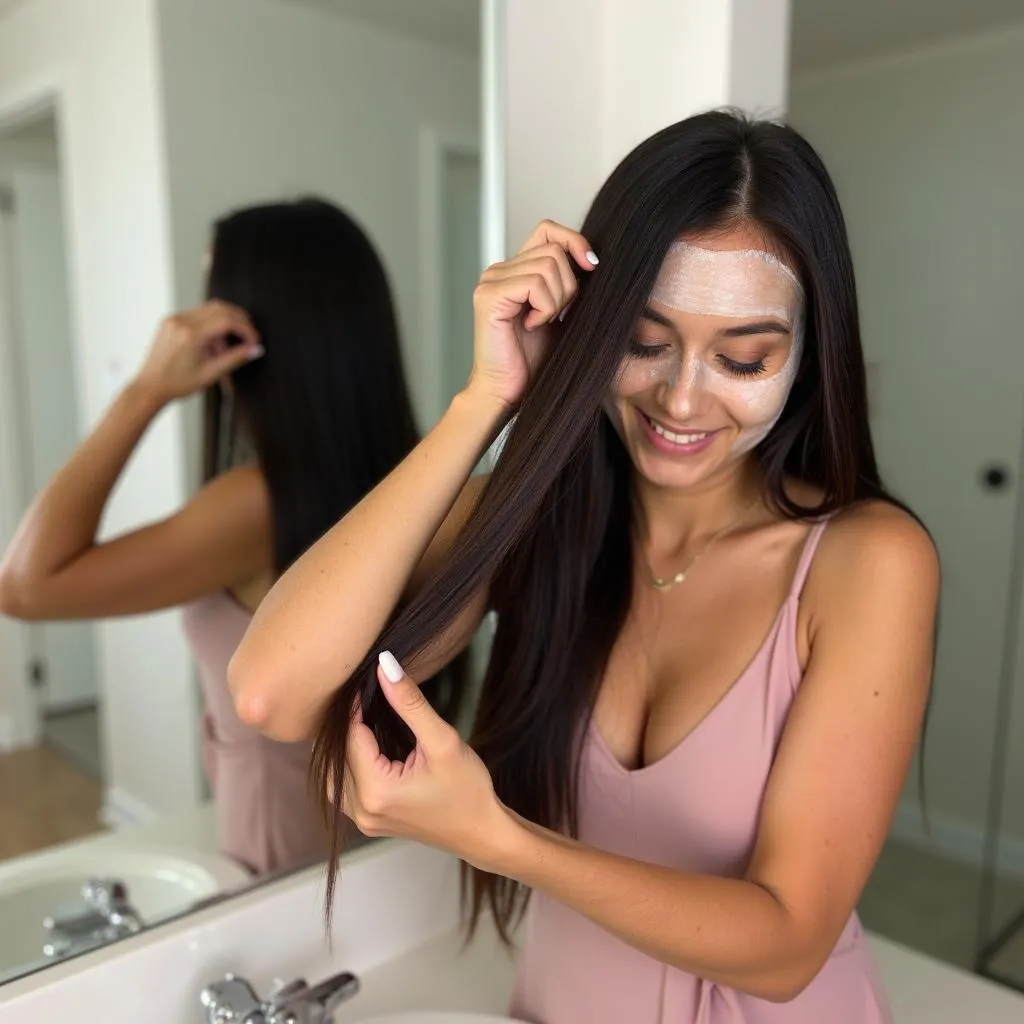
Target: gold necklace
660 583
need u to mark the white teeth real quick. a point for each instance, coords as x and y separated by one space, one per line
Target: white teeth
677 438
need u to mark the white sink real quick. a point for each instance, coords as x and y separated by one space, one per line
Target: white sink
161 883
439 1017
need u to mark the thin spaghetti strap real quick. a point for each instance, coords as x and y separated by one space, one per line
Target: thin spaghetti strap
806 557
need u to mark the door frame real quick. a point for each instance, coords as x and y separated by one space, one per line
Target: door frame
21 642
21 718
435 145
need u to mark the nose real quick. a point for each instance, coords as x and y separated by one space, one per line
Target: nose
681 395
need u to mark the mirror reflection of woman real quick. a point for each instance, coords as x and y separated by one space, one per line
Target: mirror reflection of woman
714 625
307 409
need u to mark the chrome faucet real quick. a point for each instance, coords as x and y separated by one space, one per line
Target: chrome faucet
103 916
234 1000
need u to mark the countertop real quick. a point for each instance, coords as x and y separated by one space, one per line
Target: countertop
440 976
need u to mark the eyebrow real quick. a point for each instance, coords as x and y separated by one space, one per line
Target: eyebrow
741 331
761 327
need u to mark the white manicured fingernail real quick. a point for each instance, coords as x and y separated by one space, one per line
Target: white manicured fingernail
257 351
389 663
561 316
592 257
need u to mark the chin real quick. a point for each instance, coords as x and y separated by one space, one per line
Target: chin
665 471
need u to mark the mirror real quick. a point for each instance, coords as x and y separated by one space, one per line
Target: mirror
127 790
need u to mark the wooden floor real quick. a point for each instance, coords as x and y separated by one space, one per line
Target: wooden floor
43 801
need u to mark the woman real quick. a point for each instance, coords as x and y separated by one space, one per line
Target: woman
714 633
297 350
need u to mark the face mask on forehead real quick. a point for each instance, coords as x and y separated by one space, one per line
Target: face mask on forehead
746 284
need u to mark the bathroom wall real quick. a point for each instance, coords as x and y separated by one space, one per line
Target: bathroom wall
266 98
927 150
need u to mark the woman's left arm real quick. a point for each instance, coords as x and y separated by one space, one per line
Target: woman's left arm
830 798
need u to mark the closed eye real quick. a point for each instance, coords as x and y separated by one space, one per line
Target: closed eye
754 369
646 350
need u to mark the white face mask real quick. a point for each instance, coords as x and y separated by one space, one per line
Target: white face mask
745 284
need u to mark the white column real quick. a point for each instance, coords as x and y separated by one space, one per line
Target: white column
578 83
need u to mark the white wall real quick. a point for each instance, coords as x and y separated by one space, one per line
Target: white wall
927 150
98 62
16 708
267 99
600 76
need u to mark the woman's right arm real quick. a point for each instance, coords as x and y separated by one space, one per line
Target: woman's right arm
321 617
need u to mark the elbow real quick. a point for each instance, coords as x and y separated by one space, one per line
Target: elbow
783 989
786 983
15 596
258 703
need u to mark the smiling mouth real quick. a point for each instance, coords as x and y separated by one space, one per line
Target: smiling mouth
676 437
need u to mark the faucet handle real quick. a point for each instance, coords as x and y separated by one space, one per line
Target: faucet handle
300 1003
232 999
74 921
103 894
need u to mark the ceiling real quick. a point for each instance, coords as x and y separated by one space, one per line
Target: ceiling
829 32
452 23
825 32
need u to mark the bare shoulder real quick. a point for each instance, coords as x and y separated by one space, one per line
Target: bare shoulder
239 494
880 537
231 512
874 552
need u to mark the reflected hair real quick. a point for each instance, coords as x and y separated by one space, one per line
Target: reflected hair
551 534
309 411
326 411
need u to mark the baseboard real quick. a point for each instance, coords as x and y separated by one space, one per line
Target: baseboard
959 840
120 809
72 707
6 734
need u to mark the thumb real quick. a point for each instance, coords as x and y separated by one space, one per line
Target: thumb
429 728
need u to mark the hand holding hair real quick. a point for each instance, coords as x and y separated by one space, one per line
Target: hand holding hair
515 304
440 795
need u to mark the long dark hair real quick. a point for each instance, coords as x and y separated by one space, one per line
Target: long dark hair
552 529
326 412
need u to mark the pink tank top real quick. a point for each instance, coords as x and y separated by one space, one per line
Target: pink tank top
266 817
696 810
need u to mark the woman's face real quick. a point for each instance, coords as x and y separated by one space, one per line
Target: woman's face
713 358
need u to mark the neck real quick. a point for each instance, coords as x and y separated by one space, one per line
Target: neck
671 521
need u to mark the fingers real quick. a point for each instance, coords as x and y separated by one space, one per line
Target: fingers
552 252
572 242
433 734
363 764
216 320
543 278
230 359
210 329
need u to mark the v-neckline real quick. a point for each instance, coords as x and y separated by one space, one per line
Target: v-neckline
602 744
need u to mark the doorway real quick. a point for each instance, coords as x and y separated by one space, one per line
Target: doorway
43 419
